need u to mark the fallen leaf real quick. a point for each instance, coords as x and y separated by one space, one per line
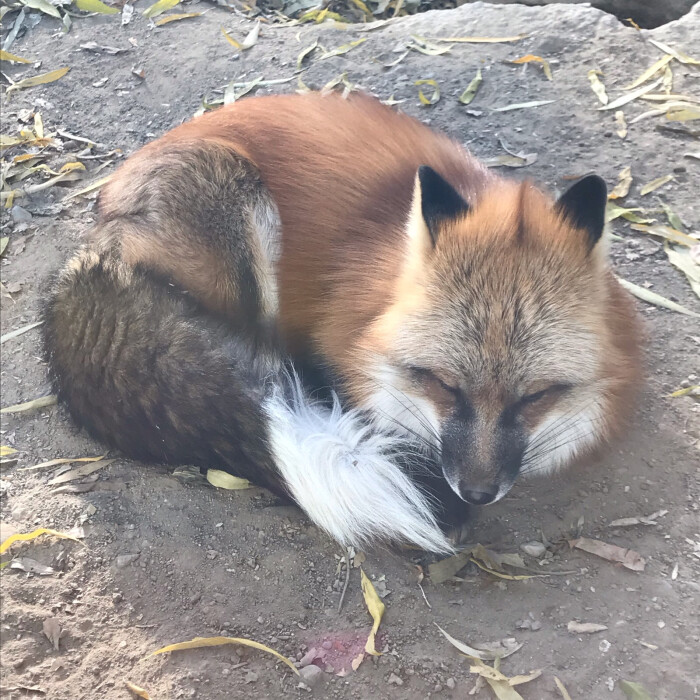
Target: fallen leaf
564 692
96 6
90 188
445 569
396 61
42 79
97 48
685 391
434 98
43 6
624 99
28 536
482 39
6 56
3 244
52 630
531 58
598 87
341 50
224 480
634 691
470 92
620 124
655 184
159 7
252 37
6 450
33 405
627 557
376 609
304 53
523 105
62 460
175 18
200 642
648 520
19 331
678 55
361 5
679 113
672 217
649 72
681 259
137 690
656 299
426 47
667 233
585 627
31 566
614 211
497 650
355 663
79 472
624 181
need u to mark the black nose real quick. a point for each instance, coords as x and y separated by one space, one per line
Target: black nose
478 498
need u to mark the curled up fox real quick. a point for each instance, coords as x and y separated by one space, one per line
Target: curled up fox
326 297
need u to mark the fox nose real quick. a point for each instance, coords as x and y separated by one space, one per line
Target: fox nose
478 498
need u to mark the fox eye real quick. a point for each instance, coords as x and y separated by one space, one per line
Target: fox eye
553 390
424 373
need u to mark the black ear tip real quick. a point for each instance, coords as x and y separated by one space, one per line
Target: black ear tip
583 204
594 186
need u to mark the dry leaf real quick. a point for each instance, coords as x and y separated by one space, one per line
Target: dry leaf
445 569
656 299
634 691
175 18
341 50
43 6
672 217
33 405
3 241
597 86
6 56
649 72
613 211
655 184
95 6
137 690
252 37
19 331
627 557
434 98
200 642
482 39
620 124
523 105
28 536
680 113
6 450
624 182
159 7
426 47
564 692
376 610
224 480
304 53
42 79
530 58
468 95
497 650
682 259
31 566
52 630
79 472
624 99
361 5
677 54
585 627
62 460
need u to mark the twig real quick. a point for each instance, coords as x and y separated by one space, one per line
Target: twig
347 580
424 598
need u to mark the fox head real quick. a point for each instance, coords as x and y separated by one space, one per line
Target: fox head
509 347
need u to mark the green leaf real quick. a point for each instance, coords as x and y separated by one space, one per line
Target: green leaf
434 98
656 299
468 95
634 691
43 6
96 6
159 8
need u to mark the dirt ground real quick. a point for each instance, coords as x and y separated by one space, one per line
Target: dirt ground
213 562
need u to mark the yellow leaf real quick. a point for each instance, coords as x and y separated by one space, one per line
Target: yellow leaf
480 654
620 124
683 113
41 402
624 99
236 44
137 690
28 536
481 39
530 58
304 53
649 72
62 460
224 480
96 6
361 5
159 8
376 610
175 18
624 182
38 126
199 642
498 574
685 391
597 86
468 95
434 98
668 233
613 211
655 184
676 53
564 692
5 56
37 80
653 298
70 167
79 472
5 450
93 186
340 50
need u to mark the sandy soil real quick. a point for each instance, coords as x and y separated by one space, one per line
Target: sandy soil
214 562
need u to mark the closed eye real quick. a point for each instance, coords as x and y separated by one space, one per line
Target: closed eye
553 390
424 373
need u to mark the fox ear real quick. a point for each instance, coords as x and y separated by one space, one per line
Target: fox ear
583 204
438 200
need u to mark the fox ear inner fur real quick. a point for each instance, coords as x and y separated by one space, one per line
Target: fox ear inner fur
583 204
440 202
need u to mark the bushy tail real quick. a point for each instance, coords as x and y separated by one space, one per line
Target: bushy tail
146 370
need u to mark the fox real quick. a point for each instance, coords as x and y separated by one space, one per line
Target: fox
323 295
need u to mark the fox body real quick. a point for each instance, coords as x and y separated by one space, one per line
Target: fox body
469 326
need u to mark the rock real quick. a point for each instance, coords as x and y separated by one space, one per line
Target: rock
534 549
123 560
20 215
394 680
311 675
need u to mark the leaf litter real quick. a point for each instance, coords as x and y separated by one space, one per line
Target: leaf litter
223 480
656 299
470 91
627 557
434 98
33 405
485 652
29 536
531 58
376 609
655 184
624 182
597 86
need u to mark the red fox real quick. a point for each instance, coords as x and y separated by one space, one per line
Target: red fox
469 328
